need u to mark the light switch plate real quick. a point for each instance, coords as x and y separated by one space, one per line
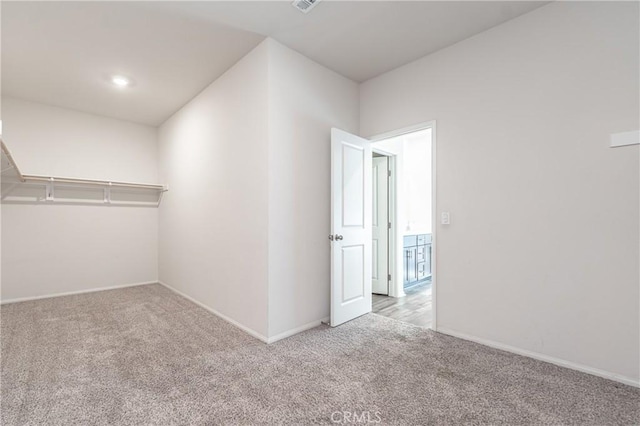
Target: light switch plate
445 218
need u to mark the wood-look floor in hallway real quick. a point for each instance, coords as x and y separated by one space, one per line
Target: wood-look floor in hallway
414 308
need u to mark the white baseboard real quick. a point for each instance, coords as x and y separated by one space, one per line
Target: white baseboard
297 330
218 314
541 357
71 293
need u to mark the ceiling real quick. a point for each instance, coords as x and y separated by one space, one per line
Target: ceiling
64 53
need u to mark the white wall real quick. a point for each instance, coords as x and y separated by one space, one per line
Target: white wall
305 101
213 220
542 254
49 249
244 226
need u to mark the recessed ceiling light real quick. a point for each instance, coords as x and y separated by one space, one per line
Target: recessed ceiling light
120 81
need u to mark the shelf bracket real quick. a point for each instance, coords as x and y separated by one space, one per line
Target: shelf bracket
9 190
50 196
107 194
160 197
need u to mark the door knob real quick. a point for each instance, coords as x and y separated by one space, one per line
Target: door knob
331 237
338 237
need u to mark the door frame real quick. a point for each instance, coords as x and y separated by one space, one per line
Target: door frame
393 266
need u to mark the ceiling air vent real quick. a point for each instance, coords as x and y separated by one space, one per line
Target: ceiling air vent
304 6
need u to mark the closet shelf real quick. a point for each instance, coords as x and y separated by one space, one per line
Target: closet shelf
13 179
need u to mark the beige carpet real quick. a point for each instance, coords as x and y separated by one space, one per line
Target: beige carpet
144 355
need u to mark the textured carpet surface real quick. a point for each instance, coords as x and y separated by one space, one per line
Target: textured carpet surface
144 355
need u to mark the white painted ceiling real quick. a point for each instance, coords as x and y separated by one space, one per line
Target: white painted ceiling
63 53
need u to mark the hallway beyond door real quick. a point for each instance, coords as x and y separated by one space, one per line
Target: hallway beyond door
414 308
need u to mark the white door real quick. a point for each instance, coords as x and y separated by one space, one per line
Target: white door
380 226
351 233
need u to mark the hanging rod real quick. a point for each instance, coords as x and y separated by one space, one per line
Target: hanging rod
53 179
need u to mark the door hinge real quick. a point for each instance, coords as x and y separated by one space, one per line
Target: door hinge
389 225
389 277
389 173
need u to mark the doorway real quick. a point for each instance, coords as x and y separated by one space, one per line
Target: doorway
403 231
351 234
